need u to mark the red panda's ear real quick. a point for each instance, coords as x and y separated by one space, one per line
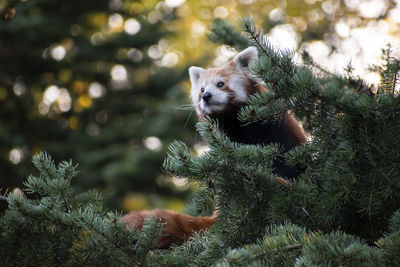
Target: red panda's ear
194 73
244 58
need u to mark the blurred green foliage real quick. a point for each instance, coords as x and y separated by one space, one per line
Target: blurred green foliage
75 80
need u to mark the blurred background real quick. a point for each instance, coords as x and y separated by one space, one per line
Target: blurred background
105 82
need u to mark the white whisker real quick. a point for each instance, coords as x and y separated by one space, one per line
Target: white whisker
187 120
184 107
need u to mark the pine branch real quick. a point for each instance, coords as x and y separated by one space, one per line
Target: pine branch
223 32
87 218
45 164
275 251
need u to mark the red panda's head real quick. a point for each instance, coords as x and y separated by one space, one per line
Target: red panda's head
215 90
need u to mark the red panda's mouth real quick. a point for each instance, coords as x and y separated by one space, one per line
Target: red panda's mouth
211 107
213 103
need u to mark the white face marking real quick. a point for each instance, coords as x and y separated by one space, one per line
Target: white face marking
218 100
236 77
237 86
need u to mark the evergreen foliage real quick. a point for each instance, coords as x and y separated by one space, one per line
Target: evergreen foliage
350 188
57 227
342 211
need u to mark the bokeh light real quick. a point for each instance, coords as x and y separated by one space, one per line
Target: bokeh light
135 55
50 94
132 26
220 12
19 88
15 155
64 100
58 52
97 38
154 52
153 143
115 22
169 60
119 73
96 90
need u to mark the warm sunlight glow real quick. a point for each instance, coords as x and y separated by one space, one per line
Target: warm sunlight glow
174 3
169 60
154 16
198 28
115 21
284 37
223 54
220 12
64 100
359 45
319 49
371 8
342 29
246 2
395 14
85 101
276 14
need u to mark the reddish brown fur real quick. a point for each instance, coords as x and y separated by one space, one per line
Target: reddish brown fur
226 89
297 133
177 227
224 72
295 130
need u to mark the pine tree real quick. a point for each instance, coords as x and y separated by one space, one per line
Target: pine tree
342 211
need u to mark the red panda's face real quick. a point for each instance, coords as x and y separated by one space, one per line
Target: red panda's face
214 90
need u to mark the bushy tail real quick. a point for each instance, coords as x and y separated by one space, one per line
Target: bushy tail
177 227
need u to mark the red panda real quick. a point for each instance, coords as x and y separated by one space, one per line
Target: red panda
220 93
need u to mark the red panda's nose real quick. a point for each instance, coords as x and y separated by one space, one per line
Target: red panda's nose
206 96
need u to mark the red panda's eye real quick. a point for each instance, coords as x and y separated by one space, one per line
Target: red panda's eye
220 84
202 89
